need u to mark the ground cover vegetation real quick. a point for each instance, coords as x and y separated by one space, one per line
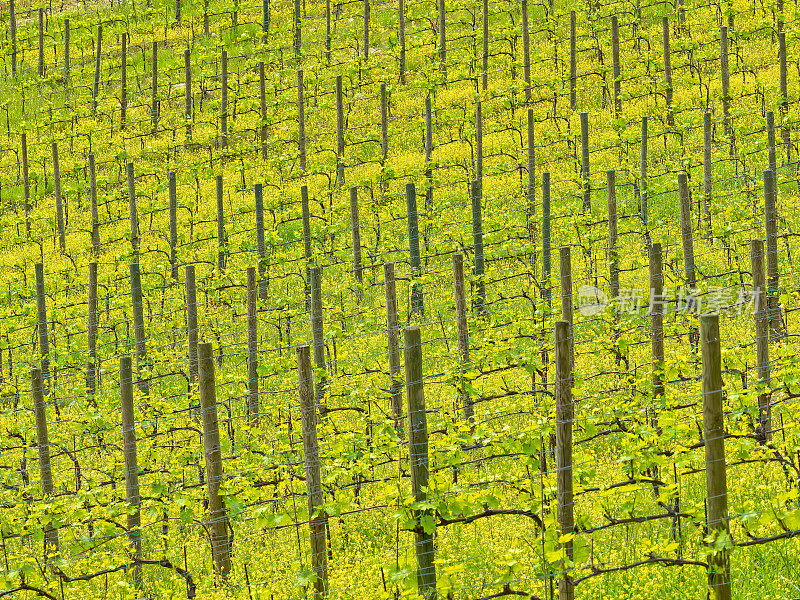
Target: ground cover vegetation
399 300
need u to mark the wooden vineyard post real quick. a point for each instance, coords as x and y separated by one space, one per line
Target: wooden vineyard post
393 335
726 99
41 42
12 22
526 51
567 304
686 230
98 55
657 321
384 124
418 458
719 574
772 161
401 38
134 219
479 142
260 243
91 333
613 257
223 109
26 183
786 133
564 418
463 332
123 92
762 338
41 313
298 32
327 32
173 223
643 180
417 306
318 335
131 464
154 90
485 45
317 519
428 151
138 326
262 94
95 213
546 289
306 241
617 70
43 445
66 55
218 517
252 346
339 132
191 324
264 21
442 42
708 178
356 230
573 63
773 281
301 120
587 189
187 94
62 242
221 245
667 71
477 240
531 180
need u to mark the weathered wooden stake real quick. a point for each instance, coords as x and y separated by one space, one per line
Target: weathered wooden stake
587 188
417 306
762 338
131 464
485 46
191 323
384 123
221 244
138 326
719 574
477 240
526 51
442 42
98 55
564 417
223 109
318 519
92 322
573 63
218 517
43 445
463 332
401 37
41 312
301 120
12 18
356 229
62 240
686 231
657 319
773 281
531 179
643 178
726 99
95 213
260 244
187 94
252 346
418 458
479 143
617 70
134 219
41 42
26 183
393 334
668 71
262 94
339 132
66 55
318 336
613 257
306 240
546 289
173 223
123 92
708 178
